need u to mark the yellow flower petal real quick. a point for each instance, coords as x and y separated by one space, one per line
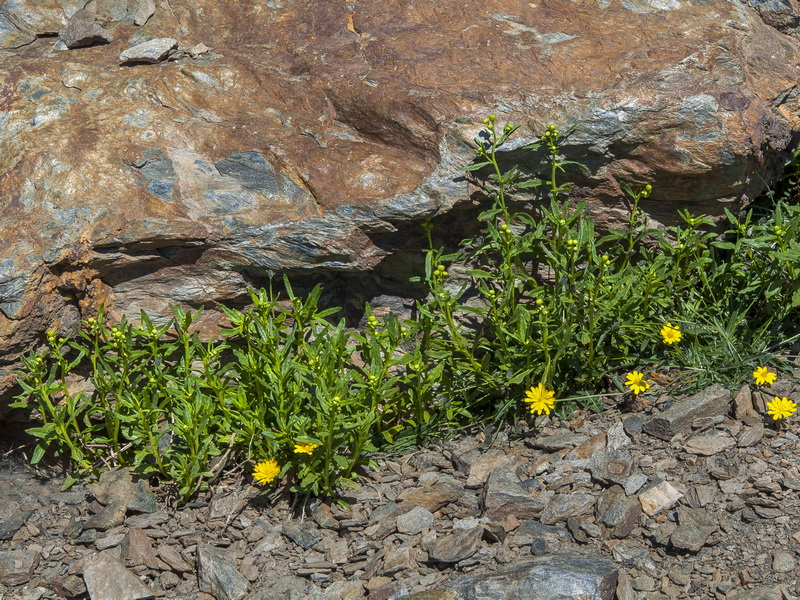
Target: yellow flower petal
636 382
671 333
305 448
780 408
266 471
763 375
541 399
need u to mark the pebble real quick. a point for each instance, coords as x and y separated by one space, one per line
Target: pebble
659 496
152 52
414 521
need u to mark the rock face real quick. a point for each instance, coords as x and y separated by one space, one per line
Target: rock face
314 136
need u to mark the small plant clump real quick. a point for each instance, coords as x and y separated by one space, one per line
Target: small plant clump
551 316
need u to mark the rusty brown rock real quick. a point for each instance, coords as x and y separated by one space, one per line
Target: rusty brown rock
315 135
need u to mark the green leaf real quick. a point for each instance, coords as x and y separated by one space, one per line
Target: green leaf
529 183
481 274
724 245
69 482
38 452
476 166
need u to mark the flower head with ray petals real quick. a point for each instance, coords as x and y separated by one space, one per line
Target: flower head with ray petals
266 471
763 375
541 399
780 408
636 382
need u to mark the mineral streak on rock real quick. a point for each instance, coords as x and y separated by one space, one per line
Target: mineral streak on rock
314 130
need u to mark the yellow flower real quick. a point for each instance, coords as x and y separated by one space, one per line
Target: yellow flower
636 382
266 471
780 408
305 448
763 375
671 333
541 399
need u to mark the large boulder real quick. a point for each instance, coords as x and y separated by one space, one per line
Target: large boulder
315 135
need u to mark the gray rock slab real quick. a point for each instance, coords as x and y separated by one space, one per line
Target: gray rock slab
118 487
322 515
611 466
399 559
564 506
710 443
759 593
12 517
483 466
217 574
146 10
743 404
286 588
16 567
750 436
633 424
694 527
530 530
503 496
344 590
146 520
434 497
616 437
80 33
303 534
554 577
712 401
107 579
456 546
110 516
414 521
137 550
554 443
783 561
151 52
171 556
634 483
618 512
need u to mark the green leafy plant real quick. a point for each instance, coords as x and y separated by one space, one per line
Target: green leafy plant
538 313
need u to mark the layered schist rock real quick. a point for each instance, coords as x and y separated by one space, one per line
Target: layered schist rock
314 136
